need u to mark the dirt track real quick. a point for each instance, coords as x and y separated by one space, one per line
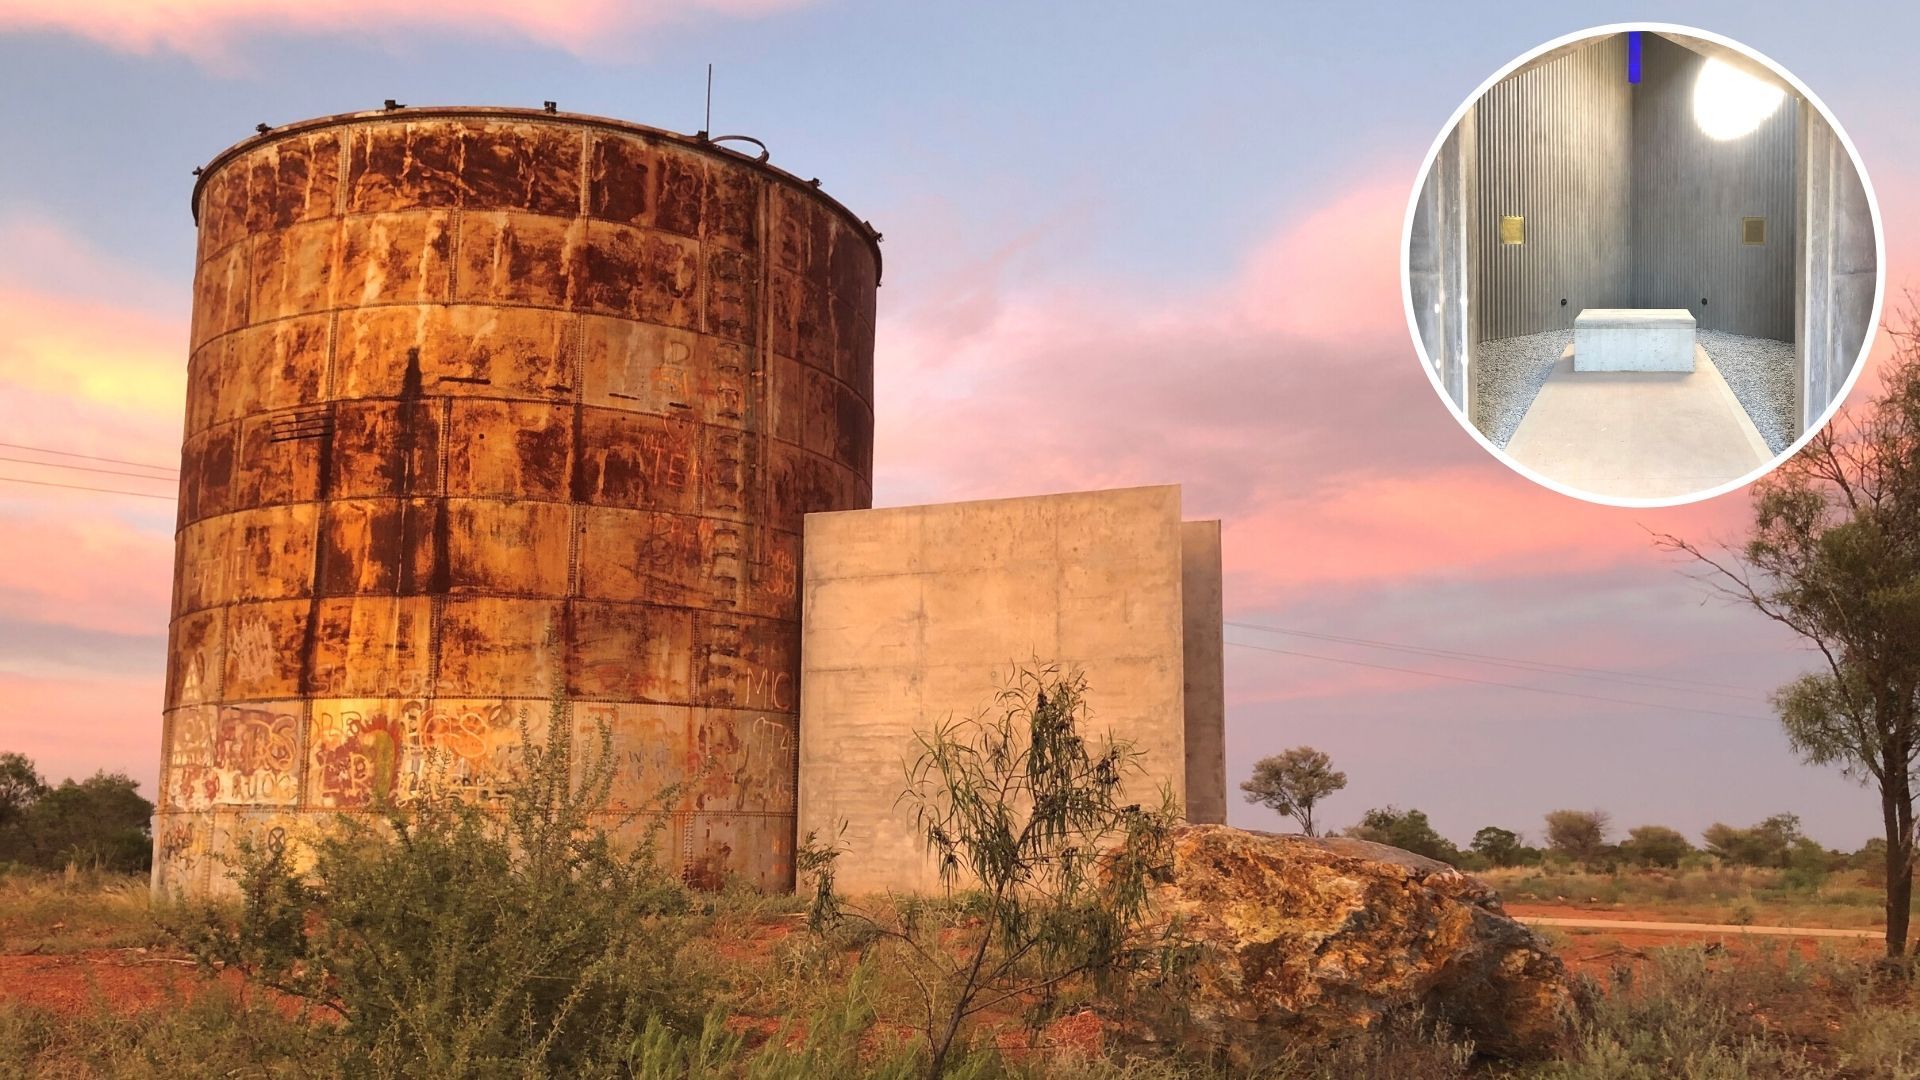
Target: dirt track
1601 923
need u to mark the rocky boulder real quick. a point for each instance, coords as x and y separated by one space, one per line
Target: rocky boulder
1301 941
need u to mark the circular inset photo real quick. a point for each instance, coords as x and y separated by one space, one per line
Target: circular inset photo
1642 264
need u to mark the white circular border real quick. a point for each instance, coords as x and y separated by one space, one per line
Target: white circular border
1859 362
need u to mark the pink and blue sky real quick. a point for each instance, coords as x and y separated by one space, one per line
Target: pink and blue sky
1125 244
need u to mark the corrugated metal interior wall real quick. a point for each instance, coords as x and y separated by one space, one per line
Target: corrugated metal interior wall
1626 202
1691 191
1554 149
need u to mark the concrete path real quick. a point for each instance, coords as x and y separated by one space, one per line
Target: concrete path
1702 928
1638 435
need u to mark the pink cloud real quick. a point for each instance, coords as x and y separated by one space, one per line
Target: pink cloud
71 727
1469 522
1288 400
1057 386
93 360
70 560
205 28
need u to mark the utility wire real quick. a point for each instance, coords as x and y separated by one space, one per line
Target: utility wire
82 487
1643 679
1493 682
91 457
90 468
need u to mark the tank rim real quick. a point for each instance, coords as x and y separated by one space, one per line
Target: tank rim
860 226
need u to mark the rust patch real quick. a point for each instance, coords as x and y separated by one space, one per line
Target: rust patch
509 449
682 191
618 186
630 652
531 167
635 460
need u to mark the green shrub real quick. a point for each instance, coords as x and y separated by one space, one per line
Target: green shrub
452 941
1045 863
214 1034
1683 1019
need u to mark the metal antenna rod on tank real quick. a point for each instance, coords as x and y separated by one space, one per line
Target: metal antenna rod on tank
708 127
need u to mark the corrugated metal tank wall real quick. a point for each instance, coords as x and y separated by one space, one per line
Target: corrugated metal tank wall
487 406
1690 193
1554 149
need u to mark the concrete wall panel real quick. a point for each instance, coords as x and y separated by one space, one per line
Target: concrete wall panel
1203 642
911 614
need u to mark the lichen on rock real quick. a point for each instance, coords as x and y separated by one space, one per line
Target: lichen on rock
1298 941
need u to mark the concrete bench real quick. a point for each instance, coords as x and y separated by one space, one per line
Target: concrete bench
1633 339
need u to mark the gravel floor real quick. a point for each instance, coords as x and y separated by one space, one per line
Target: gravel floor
1512 370
1760 371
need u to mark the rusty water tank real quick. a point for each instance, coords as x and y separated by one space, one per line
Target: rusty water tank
491 405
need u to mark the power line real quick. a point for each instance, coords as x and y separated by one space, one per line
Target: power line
1644 679
90 457
90 468
82 487
1505 685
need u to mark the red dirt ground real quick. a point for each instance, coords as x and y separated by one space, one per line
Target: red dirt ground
1597 951
129 980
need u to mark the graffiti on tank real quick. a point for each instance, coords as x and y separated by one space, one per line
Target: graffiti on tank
764 688
777 738
353 758
735 679
191 679
646 751
744 762
205 572
775 576
336 680
466 751
675 541
232 756
178 849
252 648
666 461
255 755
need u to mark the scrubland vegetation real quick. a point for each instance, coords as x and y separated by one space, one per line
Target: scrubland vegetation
524 942
734 985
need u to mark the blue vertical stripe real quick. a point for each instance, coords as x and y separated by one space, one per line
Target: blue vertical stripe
1633 56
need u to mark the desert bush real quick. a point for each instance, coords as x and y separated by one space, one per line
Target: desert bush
1408 830
1655 845
100 823
451 940
1499 847
1578 835
213 1034
62 911
1045 866
1683 1017
1405 1046
1768 844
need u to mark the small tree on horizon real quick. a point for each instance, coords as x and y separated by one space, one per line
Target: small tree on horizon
1834 556
20 786
1655 845
1768 844
1500 847
1578 834
1293 782
1408 830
